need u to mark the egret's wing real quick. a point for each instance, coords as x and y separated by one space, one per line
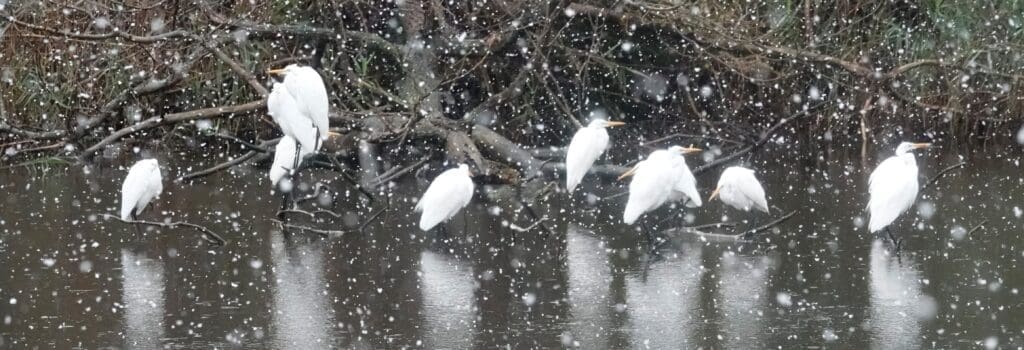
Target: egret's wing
443 198
131 190
687 185
893 188
285 112
647 189
284 159
747 185
466 192
154 185
586 146
307 87
139 187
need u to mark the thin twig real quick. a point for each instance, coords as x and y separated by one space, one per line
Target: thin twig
935 178
244 143
311 215
617 195
321 233
218 168
516 228
714 225
387 206
769 225
380 180
208 234
977 227
236 67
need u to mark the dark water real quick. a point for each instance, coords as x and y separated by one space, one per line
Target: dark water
69 278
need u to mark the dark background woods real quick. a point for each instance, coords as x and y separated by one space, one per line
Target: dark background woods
487 81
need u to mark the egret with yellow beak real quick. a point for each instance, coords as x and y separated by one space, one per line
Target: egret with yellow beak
647 190
586 146
305 87
893 188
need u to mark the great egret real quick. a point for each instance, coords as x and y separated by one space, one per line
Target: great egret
284 159
586 146
447 194
650 177
142 184
739 188
307 89
893 188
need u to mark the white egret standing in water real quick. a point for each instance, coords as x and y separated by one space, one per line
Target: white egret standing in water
739 188
586 146
307 89
140 187
299 106
647 190
447 194
893 189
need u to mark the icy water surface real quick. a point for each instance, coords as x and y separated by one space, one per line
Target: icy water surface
70 278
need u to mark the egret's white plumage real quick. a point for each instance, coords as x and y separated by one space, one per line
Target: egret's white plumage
284 159
586 146
285 112
647 190
447 194
142 184
739 188
893 186
685 189
310 94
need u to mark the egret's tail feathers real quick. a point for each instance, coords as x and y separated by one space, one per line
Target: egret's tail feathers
427 223
693 202
632 213
572 179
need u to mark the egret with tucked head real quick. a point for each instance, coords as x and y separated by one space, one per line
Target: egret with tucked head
739 188
893 188
662 177
586 146
447 194
140 187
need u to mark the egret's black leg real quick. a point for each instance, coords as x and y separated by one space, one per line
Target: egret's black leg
749 234
319 143
647 234
138 228
442 232
896 242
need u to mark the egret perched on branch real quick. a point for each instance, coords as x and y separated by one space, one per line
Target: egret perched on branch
587 145
739 188
142 184
893 188
447 194
307 89
661 169
284 159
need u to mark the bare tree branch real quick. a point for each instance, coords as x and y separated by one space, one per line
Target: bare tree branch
208 234
171 119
